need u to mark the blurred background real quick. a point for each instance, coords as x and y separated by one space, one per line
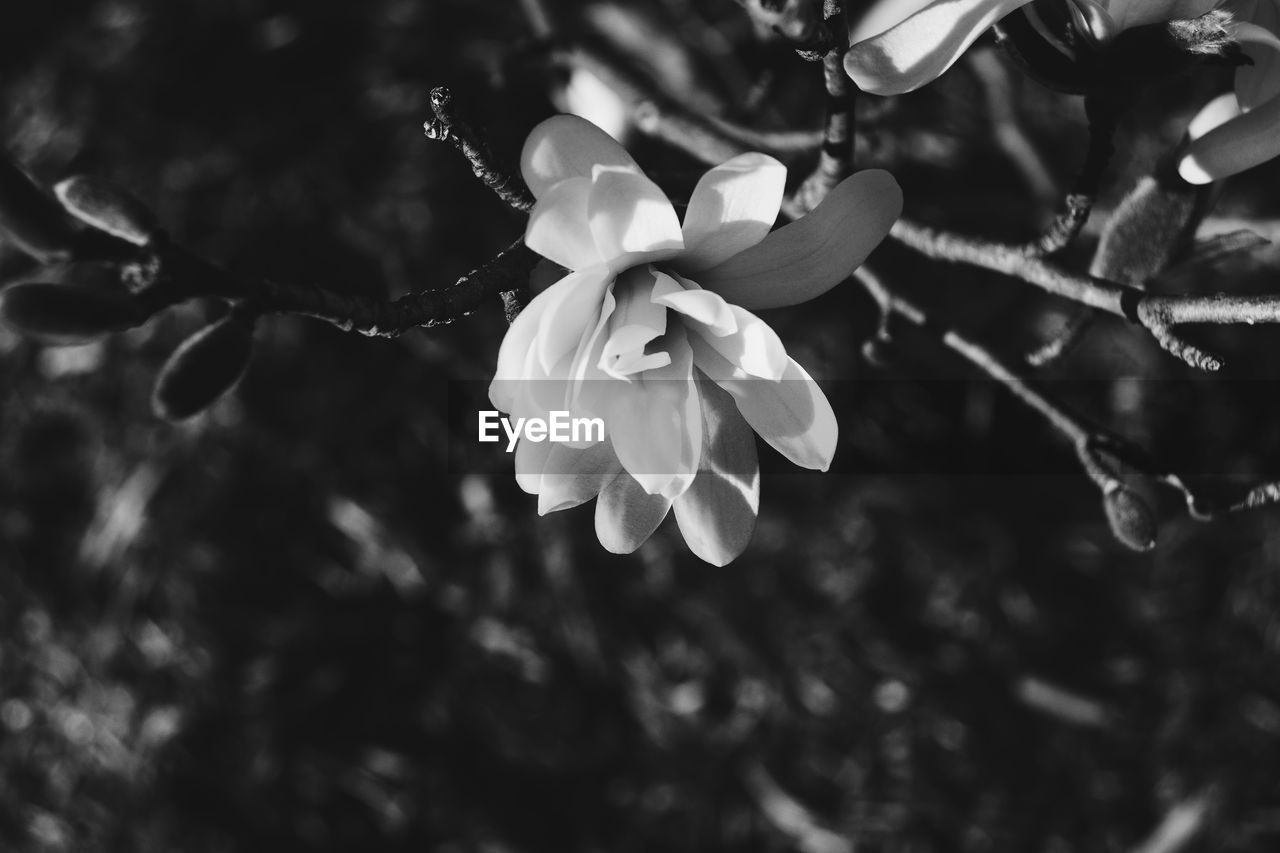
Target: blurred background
292 624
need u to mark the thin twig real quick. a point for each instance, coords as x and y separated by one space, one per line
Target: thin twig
1159 314
1103 113
1106 457
447 127
185 276
1073 428
835 162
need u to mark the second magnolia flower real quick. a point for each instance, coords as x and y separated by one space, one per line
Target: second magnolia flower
651 330
900 45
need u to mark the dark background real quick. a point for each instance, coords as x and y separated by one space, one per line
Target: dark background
289 624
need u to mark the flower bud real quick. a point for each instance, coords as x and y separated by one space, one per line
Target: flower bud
1149 228
108 208
207 365
68 313
1162 50
1131 520
30 218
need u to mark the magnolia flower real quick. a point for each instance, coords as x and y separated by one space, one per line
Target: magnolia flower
900 45
651 332
1241 129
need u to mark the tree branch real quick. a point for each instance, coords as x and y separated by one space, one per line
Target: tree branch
1156 313
1103 112
835 162
447 127
185 276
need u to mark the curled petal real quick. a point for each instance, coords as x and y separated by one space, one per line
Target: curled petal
632 221
558 228
590 387
918 50
754 348
791 414
654 422
627 515
732 208
717 514
883 15
571 477
566 146
514 353
805 259
1231 144
572 304
635 322
702 306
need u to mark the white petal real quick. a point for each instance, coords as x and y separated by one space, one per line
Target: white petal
558 228
568 147
530 460
702 306
513 354
655 423
1091 19
1233 146
918 50
881 16
717 514
732 208
1216 113
572 304
571 477
754 348
815 253
627 515
636 322
792 414
632 221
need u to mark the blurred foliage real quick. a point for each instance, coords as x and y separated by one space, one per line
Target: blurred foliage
290 625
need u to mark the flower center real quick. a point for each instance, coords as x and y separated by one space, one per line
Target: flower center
636 333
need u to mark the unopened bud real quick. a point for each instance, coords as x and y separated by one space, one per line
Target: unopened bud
1149 228
1132 521
68 313
207 365
108 208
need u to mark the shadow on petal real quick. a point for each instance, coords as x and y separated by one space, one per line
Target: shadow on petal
717 514
566 146
627 515
805 259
